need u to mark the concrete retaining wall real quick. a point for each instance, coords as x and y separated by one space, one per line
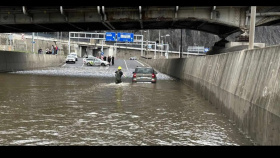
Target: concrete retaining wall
17 61
244 85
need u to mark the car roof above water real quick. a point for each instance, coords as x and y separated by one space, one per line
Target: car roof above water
144 70
142 67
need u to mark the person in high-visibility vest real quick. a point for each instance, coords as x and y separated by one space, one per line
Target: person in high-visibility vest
118 75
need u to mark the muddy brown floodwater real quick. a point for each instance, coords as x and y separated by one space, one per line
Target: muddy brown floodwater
61 110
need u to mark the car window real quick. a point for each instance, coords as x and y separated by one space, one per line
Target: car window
148 71
138 70
144 70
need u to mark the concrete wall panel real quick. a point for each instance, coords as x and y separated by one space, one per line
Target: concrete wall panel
3 62
18 61
244 85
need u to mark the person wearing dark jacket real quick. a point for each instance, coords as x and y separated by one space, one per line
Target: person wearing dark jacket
40 51
113 60
118 75
109 60
104 58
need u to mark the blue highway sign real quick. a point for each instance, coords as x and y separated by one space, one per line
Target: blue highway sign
125 37
110 36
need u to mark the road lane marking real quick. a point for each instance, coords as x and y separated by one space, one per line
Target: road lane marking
140 62
64 65
125 64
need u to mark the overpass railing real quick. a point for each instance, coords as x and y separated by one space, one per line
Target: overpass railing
148 46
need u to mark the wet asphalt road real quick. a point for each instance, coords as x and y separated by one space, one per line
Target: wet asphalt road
127 65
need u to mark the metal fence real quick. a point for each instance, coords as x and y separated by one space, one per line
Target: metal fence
196 49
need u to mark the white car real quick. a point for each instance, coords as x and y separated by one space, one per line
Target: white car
95 61
70 58
133 58
89 57
76 56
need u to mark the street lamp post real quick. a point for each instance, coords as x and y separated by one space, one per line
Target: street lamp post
181 48
147 41
69 43
167 35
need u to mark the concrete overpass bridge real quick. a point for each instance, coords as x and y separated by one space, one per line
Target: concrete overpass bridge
218 20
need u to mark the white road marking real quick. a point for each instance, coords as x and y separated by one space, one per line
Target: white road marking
125 64
140 62
64 65
83 65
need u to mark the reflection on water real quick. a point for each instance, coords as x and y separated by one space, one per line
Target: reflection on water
57 110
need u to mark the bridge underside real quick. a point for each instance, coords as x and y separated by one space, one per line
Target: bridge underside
205 26
218 20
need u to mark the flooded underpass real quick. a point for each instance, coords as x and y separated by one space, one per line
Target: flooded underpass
42 109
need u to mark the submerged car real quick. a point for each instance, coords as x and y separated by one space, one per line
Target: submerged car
70 58
95 61
144 74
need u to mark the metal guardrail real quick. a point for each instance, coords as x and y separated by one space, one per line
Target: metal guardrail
174 52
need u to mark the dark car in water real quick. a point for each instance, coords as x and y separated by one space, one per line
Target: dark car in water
144 74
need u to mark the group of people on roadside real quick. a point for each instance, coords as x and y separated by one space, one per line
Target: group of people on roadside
109 59
53 50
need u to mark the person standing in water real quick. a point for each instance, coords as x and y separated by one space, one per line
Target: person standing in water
118 75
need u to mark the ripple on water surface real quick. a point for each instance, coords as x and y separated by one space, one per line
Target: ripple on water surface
61 110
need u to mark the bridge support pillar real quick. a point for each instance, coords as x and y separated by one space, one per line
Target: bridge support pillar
181 46
252 27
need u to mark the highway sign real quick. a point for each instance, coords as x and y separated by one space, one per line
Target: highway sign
125 37
110 36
